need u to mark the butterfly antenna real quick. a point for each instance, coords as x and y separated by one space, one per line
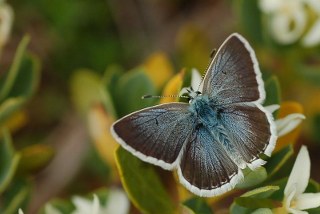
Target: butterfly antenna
212 55
163 96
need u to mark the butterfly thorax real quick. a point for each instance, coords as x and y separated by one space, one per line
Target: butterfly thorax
206 113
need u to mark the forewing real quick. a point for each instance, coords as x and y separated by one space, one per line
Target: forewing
233 75
205 168
251 131
156 134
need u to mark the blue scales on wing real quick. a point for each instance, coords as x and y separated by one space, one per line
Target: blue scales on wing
249 130
235 89
205 167
224 128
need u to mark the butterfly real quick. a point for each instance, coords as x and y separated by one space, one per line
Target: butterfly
223 129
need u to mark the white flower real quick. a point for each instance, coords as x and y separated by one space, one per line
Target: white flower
86 206
49 209
288 123
20 211
289 20
196 82
294 199
312 37
6 19
117 203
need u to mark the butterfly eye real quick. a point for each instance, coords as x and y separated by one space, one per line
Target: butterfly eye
198 92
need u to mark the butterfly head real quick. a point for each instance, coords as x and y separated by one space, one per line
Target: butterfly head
192 94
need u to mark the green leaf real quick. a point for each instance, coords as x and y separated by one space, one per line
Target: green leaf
35 158
278 159
307 69
272 87
109 84
259 193
142 184
59 205
313 186
253 178
315 127
314 211
103 195
111 77
20 84
236 209
198 205
27 77
262 211
107 102
130 88
85 86
16 196
14 69
255 203
262 192
246 10
9 160
9 106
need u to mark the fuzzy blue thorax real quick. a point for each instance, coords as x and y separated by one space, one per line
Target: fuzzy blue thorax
207 115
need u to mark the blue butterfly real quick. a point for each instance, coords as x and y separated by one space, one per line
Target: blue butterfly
222 130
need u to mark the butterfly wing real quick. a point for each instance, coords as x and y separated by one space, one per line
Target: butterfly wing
205 168
233 75
250 130
156 134
234 84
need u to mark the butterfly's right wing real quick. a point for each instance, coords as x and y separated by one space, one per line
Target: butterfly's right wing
156 134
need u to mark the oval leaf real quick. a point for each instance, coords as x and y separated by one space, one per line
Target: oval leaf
142 184
10 77
27 77
272 87
253 178
256 194
261 192
10 106
277 160
198 205
16 196
245 10
9 160
255 203
130 88
35 158
85 86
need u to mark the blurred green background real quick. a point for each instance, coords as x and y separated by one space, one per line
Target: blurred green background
80 43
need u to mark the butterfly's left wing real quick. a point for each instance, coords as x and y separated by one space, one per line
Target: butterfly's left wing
156 134
250 130
233 75
205 167
234 85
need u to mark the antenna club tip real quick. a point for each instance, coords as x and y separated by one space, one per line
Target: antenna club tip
145 96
